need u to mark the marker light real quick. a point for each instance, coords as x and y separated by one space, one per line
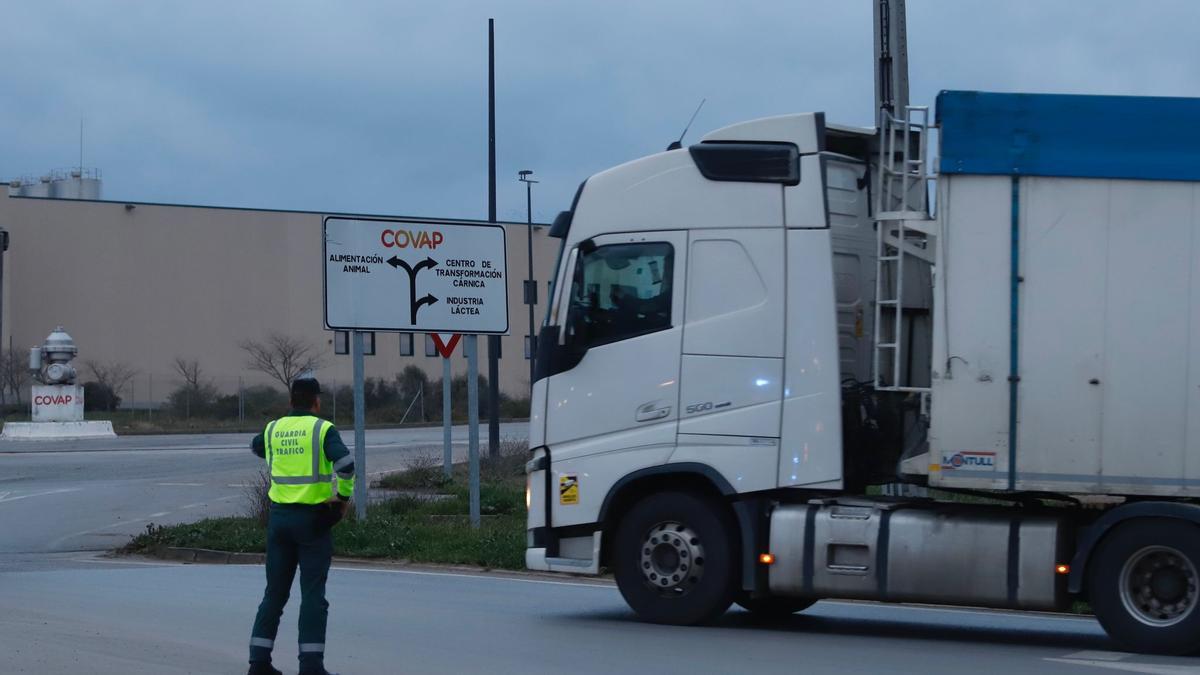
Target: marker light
1062 569
528 495
766 558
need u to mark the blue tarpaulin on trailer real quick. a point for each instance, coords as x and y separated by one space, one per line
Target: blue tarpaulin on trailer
1137 137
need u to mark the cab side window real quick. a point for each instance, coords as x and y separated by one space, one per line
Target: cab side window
620 291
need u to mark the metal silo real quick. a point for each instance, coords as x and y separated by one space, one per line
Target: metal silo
75 184
41 188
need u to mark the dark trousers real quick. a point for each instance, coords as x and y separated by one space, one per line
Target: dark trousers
298 535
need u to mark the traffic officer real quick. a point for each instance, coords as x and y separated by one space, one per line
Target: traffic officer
303 452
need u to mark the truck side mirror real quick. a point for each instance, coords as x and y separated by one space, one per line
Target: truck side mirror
553 358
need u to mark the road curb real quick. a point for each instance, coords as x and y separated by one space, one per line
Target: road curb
207 556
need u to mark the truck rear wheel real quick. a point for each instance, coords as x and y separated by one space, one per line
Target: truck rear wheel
1145 588
673 559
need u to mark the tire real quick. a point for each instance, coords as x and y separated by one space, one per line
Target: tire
775 608
674 559
1144 585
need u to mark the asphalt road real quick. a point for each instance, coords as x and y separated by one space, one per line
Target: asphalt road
106 616
65 608
96 494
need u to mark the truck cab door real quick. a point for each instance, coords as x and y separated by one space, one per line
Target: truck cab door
616 385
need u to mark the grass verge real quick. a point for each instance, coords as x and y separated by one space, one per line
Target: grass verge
429 524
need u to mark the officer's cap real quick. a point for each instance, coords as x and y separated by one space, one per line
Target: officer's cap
306 385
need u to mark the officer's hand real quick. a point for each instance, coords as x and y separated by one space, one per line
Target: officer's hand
341 505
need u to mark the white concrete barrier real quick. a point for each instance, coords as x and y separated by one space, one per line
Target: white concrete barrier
56 431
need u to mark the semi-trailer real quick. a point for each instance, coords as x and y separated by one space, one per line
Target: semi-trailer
795 361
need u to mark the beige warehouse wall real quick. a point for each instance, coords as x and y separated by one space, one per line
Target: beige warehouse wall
150 283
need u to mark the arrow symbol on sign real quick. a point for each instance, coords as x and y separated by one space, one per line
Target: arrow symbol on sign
427 300
427 263
413 303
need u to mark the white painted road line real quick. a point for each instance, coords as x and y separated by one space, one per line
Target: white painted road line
59 491
1094 655
61 540
1128 667
122 523
128 562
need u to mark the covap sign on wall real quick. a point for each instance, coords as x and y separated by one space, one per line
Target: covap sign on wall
404 275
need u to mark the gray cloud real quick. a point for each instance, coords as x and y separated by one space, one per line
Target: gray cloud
380 106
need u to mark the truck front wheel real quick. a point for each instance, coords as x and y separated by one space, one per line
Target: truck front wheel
774 608
1144 586
674 559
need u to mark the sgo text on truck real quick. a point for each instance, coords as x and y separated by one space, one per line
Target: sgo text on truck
749 336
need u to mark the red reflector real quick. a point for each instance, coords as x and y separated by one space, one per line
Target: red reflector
766 558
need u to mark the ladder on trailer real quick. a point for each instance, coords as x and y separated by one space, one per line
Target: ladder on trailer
904 230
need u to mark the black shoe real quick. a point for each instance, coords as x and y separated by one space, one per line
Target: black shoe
260 668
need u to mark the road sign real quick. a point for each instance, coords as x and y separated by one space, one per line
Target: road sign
445 347
426 276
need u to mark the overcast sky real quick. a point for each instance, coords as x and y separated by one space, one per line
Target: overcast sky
380 107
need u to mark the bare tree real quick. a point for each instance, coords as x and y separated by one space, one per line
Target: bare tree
197 395
113 376
282 357
14 374
189 371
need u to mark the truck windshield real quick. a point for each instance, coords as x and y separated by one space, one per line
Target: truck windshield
620 291
562 245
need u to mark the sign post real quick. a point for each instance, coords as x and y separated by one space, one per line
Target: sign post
473 424
447 450
415 275
360 435
446 349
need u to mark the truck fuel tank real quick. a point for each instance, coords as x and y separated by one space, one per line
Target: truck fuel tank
919 552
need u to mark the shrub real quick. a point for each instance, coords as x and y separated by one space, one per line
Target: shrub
423 472
508 465
193 401
514 408
98 396
258 500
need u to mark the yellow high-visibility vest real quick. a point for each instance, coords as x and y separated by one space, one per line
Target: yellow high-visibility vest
295 454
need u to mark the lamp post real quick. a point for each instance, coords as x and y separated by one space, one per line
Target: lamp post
3 248
530 285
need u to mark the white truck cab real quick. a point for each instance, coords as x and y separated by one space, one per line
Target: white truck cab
749 335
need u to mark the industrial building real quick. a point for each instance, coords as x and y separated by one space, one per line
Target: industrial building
145 284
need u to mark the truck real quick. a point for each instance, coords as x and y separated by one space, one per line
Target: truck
798 360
